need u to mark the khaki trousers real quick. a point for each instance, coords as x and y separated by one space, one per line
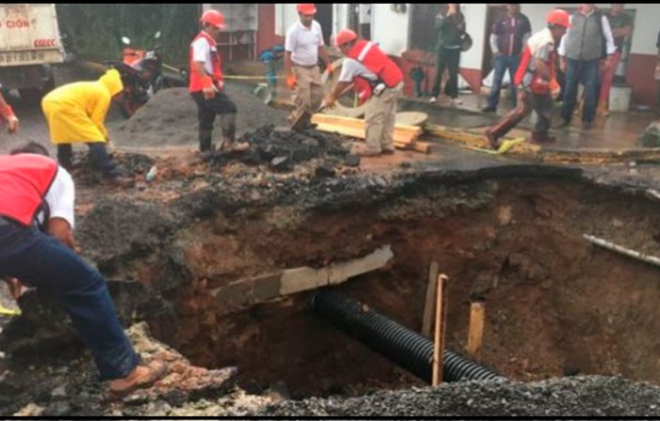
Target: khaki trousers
380 117
308 94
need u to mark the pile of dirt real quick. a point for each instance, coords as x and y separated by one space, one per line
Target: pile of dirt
170 118
282 150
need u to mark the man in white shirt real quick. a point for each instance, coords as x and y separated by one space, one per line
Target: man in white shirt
303 45
588 42
37 248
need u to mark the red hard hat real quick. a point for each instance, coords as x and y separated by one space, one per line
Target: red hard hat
344 36
559 17
306 8
213 17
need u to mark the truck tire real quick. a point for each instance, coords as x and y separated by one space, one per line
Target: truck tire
33 96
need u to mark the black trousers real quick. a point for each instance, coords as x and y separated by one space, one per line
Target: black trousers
207 109
447 58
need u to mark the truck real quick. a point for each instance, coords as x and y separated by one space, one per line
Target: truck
30 45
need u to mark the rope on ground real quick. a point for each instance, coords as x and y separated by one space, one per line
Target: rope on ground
505 147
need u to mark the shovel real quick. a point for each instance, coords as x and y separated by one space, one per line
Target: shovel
305 116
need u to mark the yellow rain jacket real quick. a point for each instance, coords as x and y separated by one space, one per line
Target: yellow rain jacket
76 112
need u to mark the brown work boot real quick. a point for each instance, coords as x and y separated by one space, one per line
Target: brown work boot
120 181
142 376
228 145
492 139
363 151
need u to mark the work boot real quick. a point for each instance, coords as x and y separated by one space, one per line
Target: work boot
363 151
492 139
205 140
564 124
489 109
142 376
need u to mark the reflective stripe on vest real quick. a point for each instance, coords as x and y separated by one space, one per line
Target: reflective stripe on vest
216 61
24 182
537 85
374 59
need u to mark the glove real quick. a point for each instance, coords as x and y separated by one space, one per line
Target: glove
329 69
12 124
291 81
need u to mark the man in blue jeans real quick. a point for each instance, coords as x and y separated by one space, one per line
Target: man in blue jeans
508 38
37 248
587 46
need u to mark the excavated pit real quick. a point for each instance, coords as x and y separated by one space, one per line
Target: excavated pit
555 305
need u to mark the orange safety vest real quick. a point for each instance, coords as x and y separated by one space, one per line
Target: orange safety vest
538 84
374 59
195 79
24 182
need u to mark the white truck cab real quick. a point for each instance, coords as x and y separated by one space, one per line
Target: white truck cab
29 44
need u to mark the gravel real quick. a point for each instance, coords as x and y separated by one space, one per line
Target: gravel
579 396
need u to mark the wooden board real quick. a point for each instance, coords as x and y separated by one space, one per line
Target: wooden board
411 118
356 123
427 318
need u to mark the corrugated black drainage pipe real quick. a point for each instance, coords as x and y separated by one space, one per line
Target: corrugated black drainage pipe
399 344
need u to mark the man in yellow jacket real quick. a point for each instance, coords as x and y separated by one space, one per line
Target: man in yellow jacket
76 114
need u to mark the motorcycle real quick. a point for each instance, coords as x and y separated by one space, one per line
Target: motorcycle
142 75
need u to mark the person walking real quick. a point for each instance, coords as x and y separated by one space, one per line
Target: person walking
206 86
585 45
37 249
535 81
450 29
76 113
508 37
621 24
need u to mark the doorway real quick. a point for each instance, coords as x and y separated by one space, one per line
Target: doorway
493 12
324 17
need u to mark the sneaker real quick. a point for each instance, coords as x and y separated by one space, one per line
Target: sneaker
142 376
488 109
433 99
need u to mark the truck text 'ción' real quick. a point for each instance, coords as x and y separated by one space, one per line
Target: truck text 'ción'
15 23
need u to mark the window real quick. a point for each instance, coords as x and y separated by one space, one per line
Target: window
422 26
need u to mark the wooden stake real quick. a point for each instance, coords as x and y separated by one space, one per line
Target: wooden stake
440 318
476 332
427 320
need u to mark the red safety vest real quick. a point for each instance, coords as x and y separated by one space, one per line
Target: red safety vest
538 85
24 182
374 59
216 61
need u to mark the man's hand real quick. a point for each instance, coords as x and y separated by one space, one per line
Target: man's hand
15 288
330 100
329 69
606 65
291 81
12 124
209 93
562 65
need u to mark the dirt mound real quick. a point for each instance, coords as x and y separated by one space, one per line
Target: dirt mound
170 118
282 150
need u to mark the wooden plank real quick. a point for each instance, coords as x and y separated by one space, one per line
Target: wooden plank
417 146
356 122
476 330
399 137
440 320
427 318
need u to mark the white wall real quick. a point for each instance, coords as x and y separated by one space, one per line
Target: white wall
475 19
285 16
646 29
390 29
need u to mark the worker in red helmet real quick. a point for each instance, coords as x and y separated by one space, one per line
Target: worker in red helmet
207 86
536 82
303 45
8 115
376 79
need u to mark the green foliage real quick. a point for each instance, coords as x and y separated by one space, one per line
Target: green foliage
96 29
